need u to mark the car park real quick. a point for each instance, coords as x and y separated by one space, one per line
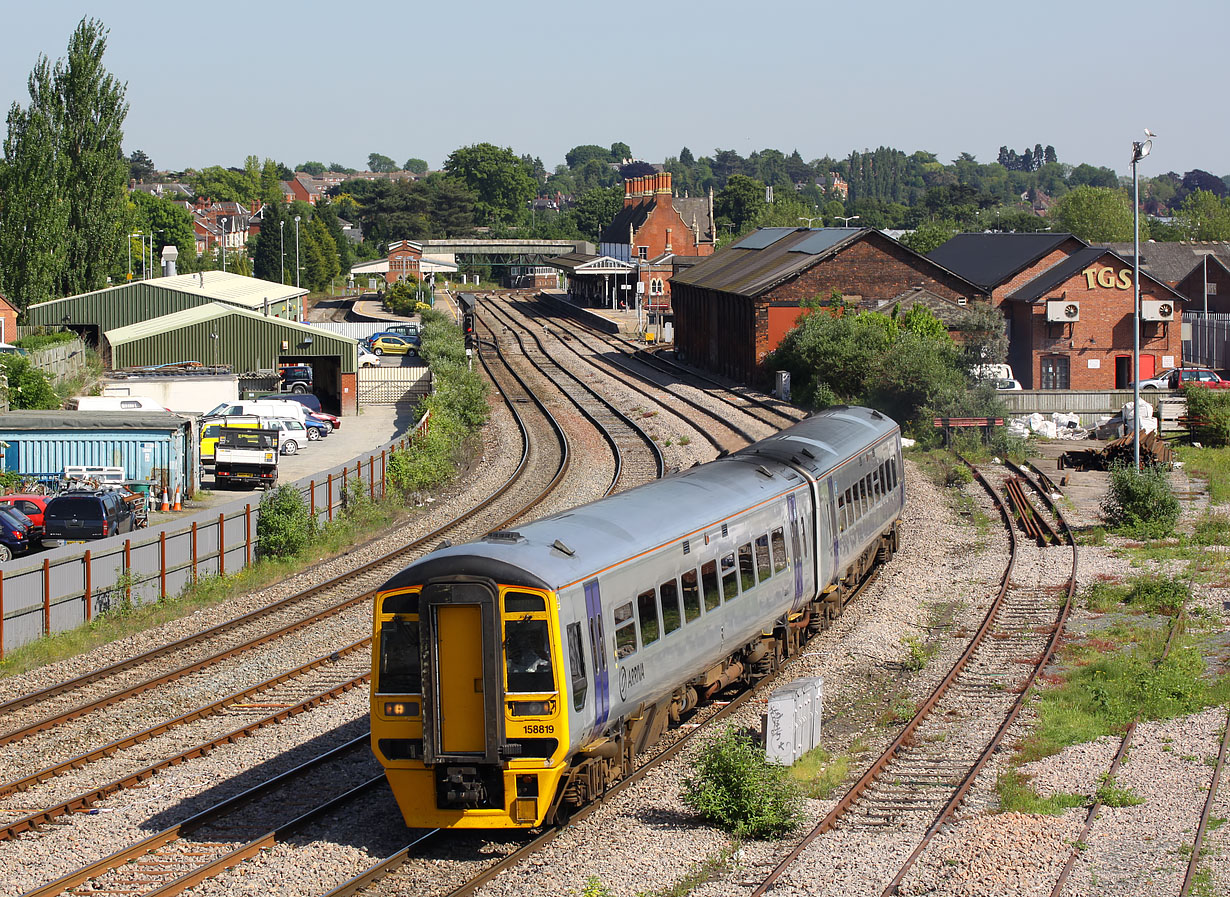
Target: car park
1177 378
30 504
18 533
390 344
81 516
293 433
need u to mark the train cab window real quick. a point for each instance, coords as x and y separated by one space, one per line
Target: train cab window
709 577
779 551
647 610
763 566
730 577
747 567
400 670
527 655
576 666
522 602
669 593
691 595
625 631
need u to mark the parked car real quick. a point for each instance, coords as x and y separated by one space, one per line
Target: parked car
316 429
293 433
82 516
368 358
309 402
296 378
390 344
1176 378
17 533
29 504
1006 384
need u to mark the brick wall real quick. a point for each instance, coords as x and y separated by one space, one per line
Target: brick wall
350 391
1103 333
1219 286
1008 287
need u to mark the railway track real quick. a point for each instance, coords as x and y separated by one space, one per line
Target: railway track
926 773
638 459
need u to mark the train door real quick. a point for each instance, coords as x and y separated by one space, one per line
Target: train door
796 549
597 643
459 635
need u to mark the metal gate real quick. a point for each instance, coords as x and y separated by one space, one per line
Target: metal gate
393 385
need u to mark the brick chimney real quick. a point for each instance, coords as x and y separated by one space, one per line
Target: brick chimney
663 183
628 198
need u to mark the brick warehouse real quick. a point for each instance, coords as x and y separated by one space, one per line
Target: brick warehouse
733 308
1031 275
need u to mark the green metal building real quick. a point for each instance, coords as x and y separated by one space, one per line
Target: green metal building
246 340
93 314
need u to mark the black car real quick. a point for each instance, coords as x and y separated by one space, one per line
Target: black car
296 378
18 534
82 516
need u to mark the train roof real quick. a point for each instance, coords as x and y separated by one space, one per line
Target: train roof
582 542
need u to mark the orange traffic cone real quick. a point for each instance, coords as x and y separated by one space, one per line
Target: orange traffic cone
177 506
166 502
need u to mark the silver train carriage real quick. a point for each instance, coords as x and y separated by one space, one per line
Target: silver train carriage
517 675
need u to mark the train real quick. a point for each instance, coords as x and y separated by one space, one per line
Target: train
516 677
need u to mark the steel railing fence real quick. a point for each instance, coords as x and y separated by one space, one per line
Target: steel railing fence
70 586
1208 343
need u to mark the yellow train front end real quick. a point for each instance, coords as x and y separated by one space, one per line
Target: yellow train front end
468 712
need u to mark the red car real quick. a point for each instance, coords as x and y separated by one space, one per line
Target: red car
326 418
1177 378
30 505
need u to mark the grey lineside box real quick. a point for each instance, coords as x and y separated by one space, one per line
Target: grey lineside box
792 720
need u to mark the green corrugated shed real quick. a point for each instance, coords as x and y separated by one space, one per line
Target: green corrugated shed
148 299
246 340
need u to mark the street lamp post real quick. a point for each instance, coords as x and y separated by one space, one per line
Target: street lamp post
1139 151
130 236
810 220
224 244
845 221
282 243
297 252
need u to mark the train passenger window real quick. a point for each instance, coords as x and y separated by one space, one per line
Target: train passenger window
625 631
862 495
527 656
400 671
841 513
669 593
850 506
779 551
709 576
691 595
576 666
763 566
515 602
892 470
647 609
875 486
747 567
730 577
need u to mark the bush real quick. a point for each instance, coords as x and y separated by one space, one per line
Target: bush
286 525
1158 596
1209 413
34 341
736 788
1141 503
28 386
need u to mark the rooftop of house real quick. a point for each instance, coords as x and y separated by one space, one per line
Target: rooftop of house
990 259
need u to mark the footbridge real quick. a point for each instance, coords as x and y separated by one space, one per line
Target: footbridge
503 253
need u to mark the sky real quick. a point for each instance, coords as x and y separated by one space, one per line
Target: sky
308 80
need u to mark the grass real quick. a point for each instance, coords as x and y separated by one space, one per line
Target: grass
1211 465
699 873
1112 795
819 773
1016 795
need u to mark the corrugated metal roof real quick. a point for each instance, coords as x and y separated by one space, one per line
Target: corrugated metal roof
750 272
90 420
763 237
201 313
214 286
824 239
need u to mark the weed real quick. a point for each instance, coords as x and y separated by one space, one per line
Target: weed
1141 503
735 787
1215 822
1113 795
1101 596
1016 795
286 525
1092 535
685 440
819 773
1158 595
1212 529
917 653
697 875
595 888
1212 465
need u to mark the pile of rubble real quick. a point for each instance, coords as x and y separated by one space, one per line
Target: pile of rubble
1060 426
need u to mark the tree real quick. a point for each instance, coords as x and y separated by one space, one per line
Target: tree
620 151
740 202
579 155
140 167
63 175
28 387
1204 216
339 168
597 208
636 170
686 159
1090 176
169 222
497 177
418 166
378 163
929 235
1196 179
1096 215
315 169
267 249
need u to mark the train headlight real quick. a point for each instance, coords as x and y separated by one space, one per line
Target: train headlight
532 708
401 708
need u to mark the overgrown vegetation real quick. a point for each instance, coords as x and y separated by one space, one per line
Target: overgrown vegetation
1211 465
1017 796
285 525
1140 503
819 773
736 788
43 339
1208 413
28 387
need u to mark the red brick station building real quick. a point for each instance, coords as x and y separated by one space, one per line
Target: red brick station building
1068 305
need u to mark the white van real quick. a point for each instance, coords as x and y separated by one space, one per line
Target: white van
114 403
292 410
